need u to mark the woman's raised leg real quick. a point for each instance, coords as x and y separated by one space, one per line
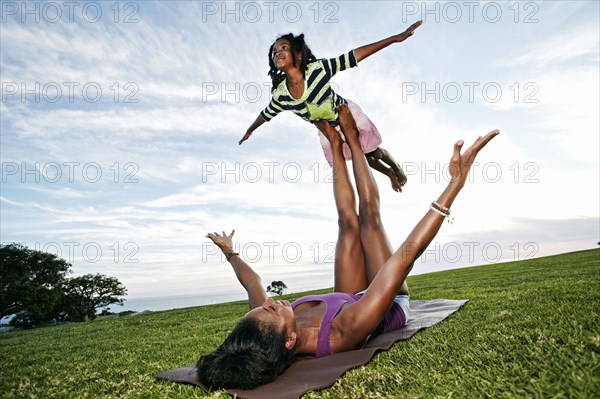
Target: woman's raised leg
350 274
375 243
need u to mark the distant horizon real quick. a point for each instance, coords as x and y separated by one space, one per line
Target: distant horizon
241 293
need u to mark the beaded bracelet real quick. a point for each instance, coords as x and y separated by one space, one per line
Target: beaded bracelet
433 208
441 207
445 212
228 255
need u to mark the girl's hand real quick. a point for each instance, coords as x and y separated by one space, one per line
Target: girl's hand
460 164
246 137
224 242
408 33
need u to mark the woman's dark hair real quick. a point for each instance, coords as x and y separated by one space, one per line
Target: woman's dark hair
298 46
252 355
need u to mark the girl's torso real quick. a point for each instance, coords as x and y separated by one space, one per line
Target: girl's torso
296 90
312 98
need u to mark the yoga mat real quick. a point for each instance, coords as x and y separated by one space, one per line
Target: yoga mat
308 374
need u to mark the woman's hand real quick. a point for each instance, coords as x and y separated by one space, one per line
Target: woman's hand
460 164
249 279
224 242
408 32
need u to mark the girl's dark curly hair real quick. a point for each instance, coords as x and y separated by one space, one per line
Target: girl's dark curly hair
252 355
298 46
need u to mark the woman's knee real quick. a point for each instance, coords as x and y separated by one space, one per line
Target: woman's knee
348 222
369 212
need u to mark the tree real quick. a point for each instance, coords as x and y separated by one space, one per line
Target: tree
30 281
84 294
277 287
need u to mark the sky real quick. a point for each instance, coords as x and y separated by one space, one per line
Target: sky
120 121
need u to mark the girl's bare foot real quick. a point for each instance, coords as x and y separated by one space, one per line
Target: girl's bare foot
380 167
396 184
399 173
384 156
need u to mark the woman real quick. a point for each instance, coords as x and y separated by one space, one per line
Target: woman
371 295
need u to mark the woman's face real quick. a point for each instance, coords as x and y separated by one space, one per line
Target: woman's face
277 313
282 54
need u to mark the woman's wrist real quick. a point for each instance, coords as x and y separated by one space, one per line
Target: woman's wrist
456 185
228 255
227 249
449 195
228 252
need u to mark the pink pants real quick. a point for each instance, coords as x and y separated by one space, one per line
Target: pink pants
368 135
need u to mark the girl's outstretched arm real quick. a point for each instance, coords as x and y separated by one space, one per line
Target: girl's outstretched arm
363 316
257 122
363 52
249 279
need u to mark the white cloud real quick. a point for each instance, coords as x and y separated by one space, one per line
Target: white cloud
566 44
138 123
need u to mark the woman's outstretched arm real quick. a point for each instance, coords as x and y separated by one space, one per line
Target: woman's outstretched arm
363 52
363 316
249 279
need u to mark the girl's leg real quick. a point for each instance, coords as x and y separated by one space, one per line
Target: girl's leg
387 158
379 159
383 155
350 275
375 243
376 164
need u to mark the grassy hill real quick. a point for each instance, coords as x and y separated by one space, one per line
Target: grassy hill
530 329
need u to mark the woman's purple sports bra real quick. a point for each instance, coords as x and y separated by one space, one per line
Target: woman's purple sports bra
393 320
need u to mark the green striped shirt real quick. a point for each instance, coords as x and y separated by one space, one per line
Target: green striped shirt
318 101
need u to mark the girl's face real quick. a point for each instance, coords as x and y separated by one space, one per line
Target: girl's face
282 55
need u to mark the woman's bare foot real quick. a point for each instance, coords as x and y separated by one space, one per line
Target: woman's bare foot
347 123
332 135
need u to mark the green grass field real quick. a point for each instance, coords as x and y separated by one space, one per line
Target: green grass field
530 329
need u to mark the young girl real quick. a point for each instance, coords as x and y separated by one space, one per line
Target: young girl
301 85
